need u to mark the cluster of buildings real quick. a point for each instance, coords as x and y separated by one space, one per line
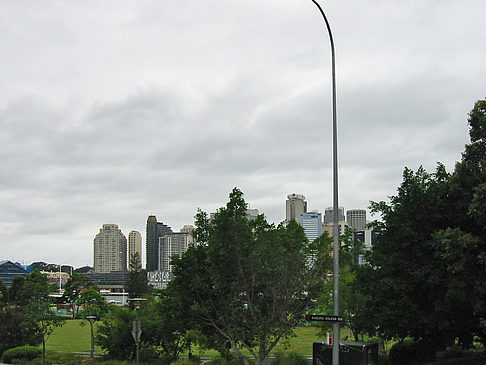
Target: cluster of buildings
113 252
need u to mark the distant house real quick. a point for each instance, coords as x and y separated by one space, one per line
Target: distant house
9 270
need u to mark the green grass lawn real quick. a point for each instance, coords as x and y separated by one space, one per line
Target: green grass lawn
73 337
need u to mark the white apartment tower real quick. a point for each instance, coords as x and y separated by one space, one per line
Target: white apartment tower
134 245
174 244
295 205
109 250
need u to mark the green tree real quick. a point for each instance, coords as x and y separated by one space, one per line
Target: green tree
113 334
247 279
137 284
3 295
73 288
15 291
93 303
164 325
17 330
36 291
427 270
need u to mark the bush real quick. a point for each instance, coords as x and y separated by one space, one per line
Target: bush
26 353
410 353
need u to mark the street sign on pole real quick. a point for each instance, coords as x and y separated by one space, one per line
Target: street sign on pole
136 331
323 318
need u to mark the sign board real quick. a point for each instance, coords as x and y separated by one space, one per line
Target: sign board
323 318
136 331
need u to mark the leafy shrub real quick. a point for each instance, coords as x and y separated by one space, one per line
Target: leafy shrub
27 353
409 353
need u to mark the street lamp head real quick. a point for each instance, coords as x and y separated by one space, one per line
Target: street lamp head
136 302
91 319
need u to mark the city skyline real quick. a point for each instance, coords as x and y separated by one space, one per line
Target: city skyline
111 112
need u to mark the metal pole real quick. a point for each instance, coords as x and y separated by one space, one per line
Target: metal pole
92 340
336 334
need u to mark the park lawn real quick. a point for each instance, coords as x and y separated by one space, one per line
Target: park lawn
71 337
301 344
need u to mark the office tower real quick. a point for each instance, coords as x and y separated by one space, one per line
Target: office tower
365 237
312 224
329 228
110 250
356 219
134 245
172 244
295 205
329 215
155 230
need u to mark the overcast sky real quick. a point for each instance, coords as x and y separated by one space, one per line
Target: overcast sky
114 110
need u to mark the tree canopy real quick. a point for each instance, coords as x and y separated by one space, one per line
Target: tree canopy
427 270
248 280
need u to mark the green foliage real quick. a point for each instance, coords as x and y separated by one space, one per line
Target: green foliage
73 288
248 282
35 293
409 353
426 277
164 324
3 295
17 330
93 303
114 335
15 291
20 353
137 284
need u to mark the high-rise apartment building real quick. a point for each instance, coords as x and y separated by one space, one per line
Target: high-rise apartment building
109 250
295 205
155 230
312 224
356 219
134 245
173 244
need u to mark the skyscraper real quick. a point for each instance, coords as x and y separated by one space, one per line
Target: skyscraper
312 224
155 230
109 250
356 219
295 205
134 245
329 215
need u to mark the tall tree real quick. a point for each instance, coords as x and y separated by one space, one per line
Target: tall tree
427 270
73 289
137 284
248 280
36 291
93 303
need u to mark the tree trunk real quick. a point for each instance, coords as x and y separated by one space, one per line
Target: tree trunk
43 350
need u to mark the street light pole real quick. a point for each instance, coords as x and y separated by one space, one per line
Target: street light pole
137 330
336 334
91 320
